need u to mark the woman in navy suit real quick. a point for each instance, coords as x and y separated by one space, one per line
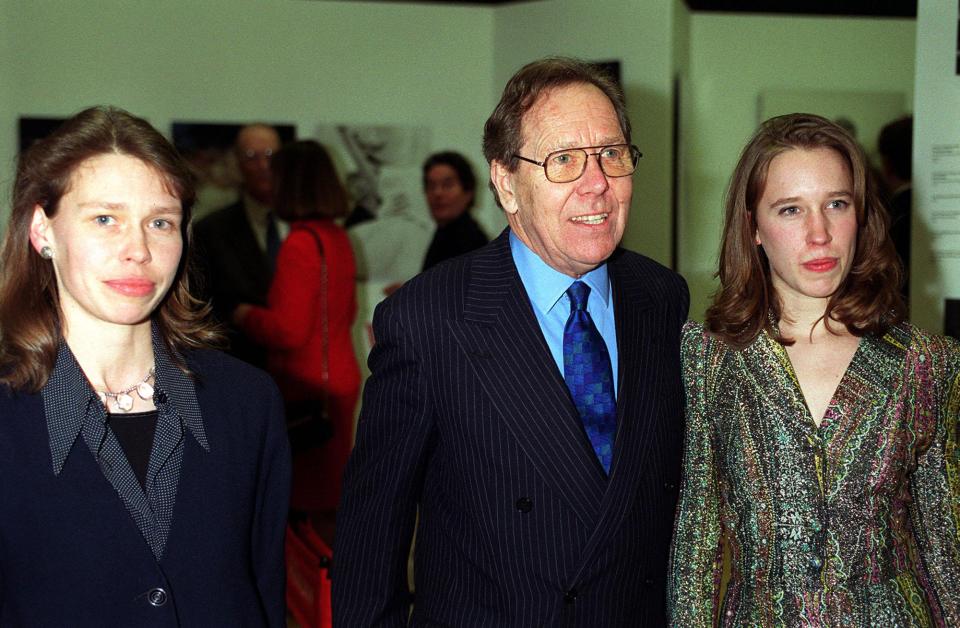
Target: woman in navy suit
144 478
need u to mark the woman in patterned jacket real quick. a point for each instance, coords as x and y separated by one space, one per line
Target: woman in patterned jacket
821 448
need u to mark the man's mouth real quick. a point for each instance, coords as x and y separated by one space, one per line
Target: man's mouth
593 219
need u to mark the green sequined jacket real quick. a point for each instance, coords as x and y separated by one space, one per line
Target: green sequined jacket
853 523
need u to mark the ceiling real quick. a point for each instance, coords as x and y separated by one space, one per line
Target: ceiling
851 8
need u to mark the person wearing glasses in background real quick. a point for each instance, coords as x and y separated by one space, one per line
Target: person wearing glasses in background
237 246
525 398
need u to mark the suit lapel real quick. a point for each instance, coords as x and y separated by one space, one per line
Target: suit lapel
501 338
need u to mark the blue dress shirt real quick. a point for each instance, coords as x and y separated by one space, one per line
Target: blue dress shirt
547 291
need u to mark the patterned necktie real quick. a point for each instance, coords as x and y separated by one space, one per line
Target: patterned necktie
589 376
273 239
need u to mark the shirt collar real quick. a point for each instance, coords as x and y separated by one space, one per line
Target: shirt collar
545 285
67 397
257 212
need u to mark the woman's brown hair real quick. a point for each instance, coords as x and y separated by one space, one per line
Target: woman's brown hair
867 301
305 183
30 317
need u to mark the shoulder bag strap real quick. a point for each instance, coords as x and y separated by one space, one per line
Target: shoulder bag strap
324 320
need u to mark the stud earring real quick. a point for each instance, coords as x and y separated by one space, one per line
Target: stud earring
46 252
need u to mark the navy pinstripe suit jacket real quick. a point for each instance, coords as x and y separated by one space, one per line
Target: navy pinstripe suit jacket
467 418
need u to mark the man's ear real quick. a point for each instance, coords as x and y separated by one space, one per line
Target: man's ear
504 180
40 229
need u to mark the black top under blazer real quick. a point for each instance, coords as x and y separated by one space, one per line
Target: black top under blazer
466 416
71 554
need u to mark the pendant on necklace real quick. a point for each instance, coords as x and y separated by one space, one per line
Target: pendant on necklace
124 402
145 391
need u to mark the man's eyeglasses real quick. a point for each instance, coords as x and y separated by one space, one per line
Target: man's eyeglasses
564 166
255 155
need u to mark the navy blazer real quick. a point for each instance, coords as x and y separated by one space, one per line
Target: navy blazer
71 555
467 418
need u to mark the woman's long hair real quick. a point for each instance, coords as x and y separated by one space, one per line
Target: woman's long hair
30 316
867 301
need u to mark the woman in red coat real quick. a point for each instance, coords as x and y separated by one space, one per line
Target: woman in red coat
310 309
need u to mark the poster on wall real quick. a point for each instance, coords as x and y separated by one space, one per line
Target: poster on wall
208 148
389 222
389 225
935 271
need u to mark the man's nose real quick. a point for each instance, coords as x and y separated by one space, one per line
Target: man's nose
593 178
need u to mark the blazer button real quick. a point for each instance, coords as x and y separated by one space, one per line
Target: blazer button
524 505
157 597
570 596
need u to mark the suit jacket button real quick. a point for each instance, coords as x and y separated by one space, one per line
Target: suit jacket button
524 504
157 597
570 596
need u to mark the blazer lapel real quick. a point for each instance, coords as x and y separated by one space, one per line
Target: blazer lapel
501 338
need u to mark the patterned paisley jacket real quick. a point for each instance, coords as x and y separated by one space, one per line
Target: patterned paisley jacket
852 523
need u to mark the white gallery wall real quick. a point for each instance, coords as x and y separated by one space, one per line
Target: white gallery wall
296 61
309 61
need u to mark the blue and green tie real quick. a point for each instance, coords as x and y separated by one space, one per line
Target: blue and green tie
589 376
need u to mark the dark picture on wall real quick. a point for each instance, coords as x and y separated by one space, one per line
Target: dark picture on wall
958 41
951 318
32 129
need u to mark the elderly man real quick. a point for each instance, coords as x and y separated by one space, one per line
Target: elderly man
236 245
526 397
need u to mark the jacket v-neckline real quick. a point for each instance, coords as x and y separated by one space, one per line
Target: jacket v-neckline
867 380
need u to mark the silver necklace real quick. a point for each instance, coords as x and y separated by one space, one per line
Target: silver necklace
123 400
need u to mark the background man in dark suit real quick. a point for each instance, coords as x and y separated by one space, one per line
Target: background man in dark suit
895 144
525 397
236 245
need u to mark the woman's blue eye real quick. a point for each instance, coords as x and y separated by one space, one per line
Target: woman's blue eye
105 220
838 204
789 211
